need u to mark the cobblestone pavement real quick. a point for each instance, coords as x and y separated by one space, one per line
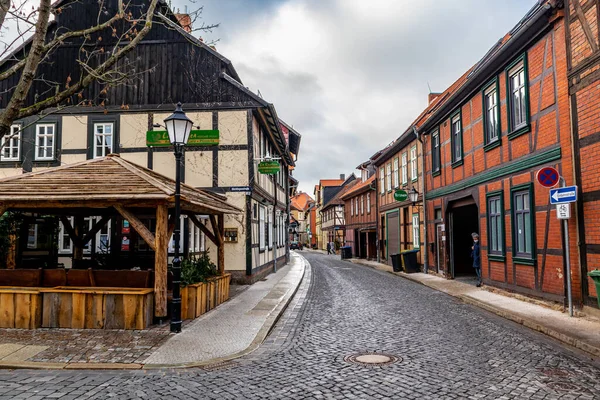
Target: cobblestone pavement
447 350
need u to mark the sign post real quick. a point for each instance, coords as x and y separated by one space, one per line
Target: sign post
562 197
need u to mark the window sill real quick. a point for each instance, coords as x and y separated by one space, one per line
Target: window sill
520 131
492 145
457 163
436 173
414 180
496 257
524 261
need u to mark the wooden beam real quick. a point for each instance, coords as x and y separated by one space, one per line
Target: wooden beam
203 228
138 226
11 257
221 248
160 262
71 231
78 231
216 230
95 229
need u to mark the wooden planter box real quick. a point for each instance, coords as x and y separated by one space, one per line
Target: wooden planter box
97 308
199 298
20 308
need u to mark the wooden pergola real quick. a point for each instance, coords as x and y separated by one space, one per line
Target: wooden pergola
109 185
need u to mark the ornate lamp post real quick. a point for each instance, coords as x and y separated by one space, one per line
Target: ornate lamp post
178 127
413 195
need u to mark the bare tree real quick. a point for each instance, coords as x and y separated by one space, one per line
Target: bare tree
101 59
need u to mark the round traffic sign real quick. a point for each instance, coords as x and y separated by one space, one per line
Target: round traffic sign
548 177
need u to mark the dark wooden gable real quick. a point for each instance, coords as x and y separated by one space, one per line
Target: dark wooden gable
170 65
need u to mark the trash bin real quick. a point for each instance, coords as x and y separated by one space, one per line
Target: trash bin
396 262
595 275
346 252
410 260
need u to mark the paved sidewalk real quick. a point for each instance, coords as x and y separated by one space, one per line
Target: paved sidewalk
235 328
580 332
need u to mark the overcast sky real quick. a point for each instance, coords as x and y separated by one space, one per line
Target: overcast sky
351 75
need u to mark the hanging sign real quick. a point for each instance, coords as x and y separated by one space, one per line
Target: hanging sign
400 195
268 167
548 177
197 138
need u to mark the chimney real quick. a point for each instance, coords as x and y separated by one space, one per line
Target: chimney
432 97
343 177
185 21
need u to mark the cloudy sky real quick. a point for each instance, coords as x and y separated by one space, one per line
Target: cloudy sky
351 75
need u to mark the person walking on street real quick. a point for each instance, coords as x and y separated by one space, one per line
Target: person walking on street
476 256
328 248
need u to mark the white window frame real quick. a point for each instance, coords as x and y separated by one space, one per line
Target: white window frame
491 114
261 227
103 136
436 156
404 168
521 98
416 231
270 222
388 176
369 203
356 206
382 180
12 142
395 173
362 204
351 207
62 249
414 170
456 142
44 137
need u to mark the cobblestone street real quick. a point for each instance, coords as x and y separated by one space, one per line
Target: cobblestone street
445 349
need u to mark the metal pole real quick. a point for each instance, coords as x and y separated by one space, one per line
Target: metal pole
567 257
176 303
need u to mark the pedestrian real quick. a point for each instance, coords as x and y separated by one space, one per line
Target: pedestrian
476 256
328 248
333 248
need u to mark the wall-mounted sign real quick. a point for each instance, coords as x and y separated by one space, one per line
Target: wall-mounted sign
197 138
400 195
268 167
246 189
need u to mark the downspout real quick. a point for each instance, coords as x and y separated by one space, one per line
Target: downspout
425 243
376 216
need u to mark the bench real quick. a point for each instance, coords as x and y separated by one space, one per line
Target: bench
21 277
124 279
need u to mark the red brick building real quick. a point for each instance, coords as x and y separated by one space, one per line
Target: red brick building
583 72
361 217
485 138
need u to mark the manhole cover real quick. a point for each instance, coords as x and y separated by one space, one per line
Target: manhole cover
554 372
564 387
373 359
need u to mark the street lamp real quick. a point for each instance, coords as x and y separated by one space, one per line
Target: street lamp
413 196
178 127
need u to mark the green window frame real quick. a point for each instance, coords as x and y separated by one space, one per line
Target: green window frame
496 246
436 160
492 130
522 206
456 138
517 93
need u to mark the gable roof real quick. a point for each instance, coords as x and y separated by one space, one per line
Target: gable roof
301 201
337 199
359 188
330 182
110 179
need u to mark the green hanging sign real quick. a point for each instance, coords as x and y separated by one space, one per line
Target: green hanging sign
197 138
400 195
268 167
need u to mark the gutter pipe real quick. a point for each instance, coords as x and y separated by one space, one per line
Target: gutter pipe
425 241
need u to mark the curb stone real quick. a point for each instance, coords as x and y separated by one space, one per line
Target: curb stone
262 334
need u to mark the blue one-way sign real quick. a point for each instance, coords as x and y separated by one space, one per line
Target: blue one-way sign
563 195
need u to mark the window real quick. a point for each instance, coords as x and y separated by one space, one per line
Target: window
518 97
435 151
356 206
396 177
388 177
64 240
362 205
416 231
270 229
44 142
11 144
381 180
368 203
413 163
351 207
103 139
523 224
438 214
261 228
495 228
404 169
491 114
101 240
32 236
456 139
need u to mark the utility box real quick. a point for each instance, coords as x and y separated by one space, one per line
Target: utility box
595 275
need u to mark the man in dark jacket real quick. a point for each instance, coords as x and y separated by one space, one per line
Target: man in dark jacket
476 256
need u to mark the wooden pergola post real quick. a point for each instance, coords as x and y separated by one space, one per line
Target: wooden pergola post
77 244
161 241
221 235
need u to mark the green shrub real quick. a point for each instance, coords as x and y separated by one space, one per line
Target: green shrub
197 269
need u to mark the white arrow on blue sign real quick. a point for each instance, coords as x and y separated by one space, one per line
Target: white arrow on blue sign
563 195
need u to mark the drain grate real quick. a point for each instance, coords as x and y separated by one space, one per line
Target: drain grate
564 387
555 372
219 366
372 359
